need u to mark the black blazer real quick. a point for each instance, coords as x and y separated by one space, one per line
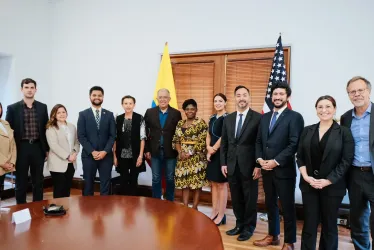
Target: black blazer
14 116
154 131
93 139
336 159
346 121
281 144
241 150
137 120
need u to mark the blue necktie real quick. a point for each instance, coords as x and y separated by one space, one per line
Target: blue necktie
240 123
273 121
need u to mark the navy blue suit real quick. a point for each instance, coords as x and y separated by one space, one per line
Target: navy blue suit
93 139
280 145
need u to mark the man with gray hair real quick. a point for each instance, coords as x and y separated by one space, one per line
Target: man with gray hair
161 122
360 120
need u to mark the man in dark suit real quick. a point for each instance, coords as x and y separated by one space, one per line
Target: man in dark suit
28 118
361 175
238 162
277 141
96 133
161 122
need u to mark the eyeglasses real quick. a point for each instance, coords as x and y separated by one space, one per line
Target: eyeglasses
163 97
354 92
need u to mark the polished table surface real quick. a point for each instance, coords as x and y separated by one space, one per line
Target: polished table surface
110 222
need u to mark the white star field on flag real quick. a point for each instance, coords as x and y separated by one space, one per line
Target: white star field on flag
278 74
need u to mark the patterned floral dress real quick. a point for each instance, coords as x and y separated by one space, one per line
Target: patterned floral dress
191 172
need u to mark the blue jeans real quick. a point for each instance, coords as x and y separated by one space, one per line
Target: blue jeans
159 163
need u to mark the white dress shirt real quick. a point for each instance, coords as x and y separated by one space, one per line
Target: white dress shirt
279 113
94 112
245 112
69 135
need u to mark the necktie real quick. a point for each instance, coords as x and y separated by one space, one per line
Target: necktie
240 123
97 118
273 120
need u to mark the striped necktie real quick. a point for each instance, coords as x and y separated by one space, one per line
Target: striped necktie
97 118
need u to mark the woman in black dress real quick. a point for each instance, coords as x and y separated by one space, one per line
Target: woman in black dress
214 174
129 146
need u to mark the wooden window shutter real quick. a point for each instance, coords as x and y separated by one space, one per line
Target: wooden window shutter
196 81
254 74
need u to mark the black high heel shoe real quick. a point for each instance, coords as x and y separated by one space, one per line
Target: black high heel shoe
223 221
215 217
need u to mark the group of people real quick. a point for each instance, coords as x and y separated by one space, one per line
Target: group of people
235 149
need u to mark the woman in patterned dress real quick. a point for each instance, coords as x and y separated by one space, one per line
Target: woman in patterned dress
190 142
214 173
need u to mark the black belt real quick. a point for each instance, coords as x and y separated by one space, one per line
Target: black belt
364 168
30 141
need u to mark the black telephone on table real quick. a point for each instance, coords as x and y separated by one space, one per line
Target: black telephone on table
54 210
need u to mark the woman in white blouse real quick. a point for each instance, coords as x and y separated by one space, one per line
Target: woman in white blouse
64 147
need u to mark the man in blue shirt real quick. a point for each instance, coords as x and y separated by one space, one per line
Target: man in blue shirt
361 175
161 122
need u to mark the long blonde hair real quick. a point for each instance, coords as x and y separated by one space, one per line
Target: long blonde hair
52 120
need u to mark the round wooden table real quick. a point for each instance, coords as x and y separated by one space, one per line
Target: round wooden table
110 222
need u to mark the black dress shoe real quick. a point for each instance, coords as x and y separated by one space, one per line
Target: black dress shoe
245 235
234 231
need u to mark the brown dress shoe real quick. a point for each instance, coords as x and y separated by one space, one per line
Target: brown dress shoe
267 241
288 246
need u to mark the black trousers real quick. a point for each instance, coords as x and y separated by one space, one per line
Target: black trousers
29 156
129 177
62 182
244 194
284 189
324 209
2 178
361 194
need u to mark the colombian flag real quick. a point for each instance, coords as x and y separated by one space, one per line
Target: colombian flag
165 79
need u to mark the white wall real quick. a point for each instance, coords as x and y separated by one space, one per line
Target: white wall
26 37
5 72
25 46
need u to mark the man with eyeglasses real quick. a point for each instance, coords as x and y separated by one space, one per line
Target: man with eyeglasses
360 120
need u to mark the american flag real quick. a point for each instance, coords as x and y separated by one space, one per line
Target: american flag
278 74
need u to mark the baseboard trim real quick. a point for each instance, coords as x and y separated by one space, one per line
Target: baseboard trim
10 193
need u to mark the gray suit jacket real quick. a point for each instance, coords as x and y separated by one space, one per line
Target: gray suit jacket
240 150
346 121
